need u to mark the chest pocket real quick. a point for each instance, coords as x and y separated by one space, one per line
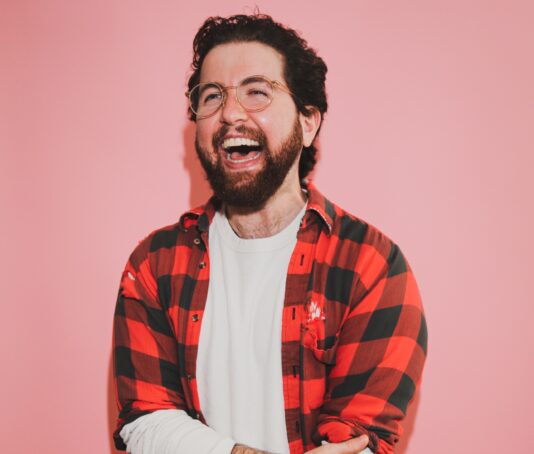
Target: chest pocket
320 330
322 346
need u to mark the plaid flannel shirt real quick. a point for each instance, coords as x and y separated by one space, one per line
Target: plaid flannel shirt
353 329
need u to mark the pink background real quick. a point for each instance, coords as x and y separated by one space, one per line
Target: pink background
429 137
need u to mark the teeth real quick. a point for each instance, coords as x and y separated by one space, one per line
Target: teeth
239 141
250 158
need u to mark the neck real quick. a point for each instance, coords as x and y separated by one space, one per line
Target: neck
271 218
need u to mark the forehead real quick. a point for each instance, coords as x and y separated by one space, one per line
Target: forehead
229 63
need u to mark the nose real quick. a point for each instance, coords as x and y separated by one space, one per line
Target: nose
231 111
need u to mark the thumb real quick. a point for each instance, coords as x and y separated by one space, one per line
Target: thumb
355 445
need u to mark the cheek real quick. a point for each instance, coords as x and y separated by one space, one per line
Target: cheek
262 119
274 127
204 134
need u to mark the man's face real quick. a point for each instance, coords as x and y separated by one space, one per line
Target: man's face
248 180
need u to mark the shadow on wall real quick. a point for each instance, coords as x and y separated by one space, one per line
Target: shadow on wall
112 407
199 193
408 425
199 190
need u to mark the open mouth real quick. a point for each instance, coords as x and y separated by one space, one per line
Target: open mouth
241 149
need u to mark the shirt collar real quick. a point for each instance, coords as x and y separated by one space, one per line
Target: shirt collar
318 208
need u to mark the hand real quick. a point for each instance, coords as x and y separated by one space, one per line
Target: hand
242 449
352 446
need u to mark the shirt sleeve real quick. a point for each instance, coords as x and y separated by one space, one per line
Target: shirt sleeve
145 352
173 432
381 349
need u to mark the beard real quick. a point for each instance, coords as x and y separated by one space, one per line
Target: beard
251 190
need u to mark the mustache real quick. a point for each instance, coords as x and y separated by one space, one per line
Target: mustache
218 137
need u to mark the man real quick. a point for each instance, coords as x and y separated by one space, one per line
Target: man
269 319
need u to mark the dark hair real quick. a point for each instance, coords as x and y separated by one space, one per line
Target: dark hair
304 70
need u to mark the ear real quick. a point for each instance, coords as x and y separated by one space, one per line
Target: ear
310 125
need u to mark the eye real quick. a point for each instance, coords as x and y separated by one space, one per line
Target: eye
255 91
211 97
209 94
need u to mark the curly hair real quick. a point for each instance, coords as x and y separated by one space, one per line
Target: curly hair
305 75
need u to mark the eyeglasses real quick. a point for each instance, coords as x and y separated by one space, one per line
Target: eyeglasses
254 94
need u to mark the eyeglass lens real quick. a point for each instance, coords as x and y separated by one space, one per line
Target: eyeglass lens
253 93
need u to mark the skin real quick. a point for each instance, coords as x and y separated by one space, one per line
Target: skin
228 64
353 446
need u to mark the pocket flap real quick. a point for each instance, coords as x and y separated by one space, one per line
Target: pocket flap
324 355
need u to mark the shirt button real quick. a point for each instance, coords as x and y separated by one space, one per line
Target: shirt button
195 317
202 265
196 241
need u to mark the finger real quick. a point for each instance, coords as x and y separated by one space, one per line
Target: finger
354 445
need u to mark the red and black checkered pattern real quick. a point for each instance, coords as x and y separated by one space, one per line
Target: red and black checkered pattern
353 330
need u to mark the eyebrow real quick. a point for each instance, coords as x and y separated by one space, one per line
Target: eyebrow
211 82
251 78
254 78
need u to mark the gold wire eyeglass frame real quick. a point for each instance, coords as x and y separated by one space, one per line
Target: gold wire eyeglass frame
224 90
